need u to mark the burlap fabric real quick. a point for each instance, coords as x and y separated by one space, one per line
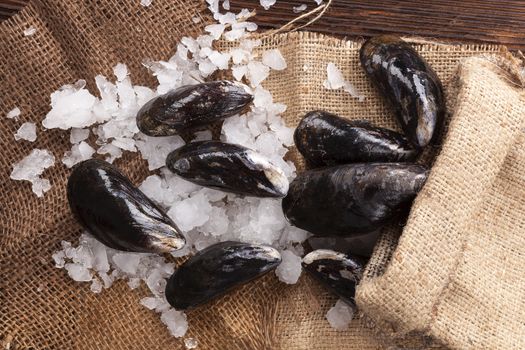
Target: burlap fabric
457 271
41 308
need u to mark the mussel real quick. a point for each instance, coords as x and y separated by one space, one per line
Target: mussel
326 139
217 269
339 272
406 80
192 106
228 167
117 213
352 199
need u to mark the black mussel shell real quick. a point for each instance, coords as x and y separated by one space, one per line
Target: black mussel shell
337 271
352 199
410 85
192 106
228 167
217 269
117 213
326 139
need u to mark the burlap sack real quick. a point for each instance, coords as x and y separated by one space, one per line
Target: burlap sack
457 271
40 307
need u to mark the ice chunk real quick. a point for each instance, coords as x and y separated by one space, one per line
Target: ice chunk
26 132
127 262
267 3
191 212
58 257
78 153
318 2
257 72
113 152
215 30
196 19
274 59
219 59
29 31
31 167
190 343
78 272
70 108
239 72
335 80
150 302
156 149
146 3
78 135
121 70
96 286
14 113
340 315
175 321
290 268
218 223
300 8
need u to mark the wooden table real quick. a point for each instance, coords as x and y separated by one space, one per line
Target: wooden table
491 21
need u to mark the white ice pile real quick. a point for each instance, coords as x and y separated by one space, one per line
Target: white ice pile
267 3
27 131
31 167
335 80
104 123
340 315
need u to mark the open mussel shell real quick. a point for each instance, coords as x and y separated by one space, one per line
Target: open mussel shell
217 269
337 271
352 199
228 167
324 138
410 85
192 106
117 213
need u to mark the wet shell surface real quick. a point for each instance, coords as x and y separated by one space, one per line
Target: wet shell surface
406 80
228 167
352 199
192 106
217 269
117 213
324 138
337 271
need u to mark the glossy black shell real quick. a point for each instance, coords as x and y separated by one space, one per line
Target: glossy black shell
192 106
337 271
352 199
217 269
228 167
117 213
326 139
406 80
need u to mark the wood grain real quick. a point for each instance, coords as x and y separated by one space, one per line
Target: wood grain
490 21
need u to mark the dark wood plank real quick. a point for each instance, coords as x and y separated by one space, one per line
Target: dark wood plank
9 8
489 21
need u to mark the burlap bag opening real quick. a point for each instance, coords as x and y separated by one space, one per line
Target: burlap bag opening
41 308
456 273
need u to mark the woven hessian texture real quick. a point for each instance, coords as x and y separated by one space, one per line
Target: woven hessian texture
40 306
457 272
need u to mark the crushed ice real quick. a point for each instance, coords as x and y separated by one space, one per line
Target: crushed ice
27 131
104 123
335 80
29 31
340 315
